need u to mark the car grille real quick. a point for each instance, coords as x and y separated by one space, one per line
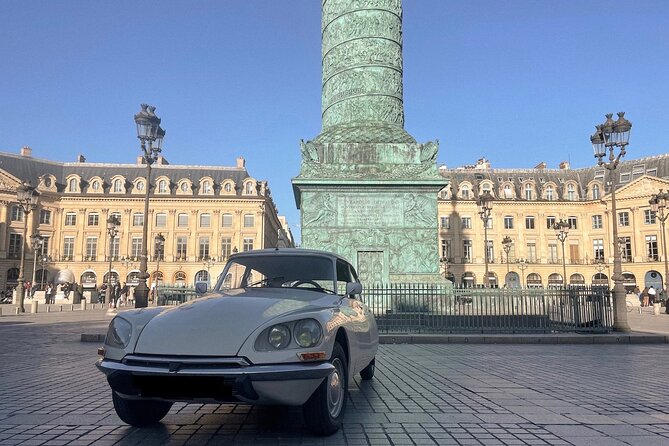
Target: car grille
184 363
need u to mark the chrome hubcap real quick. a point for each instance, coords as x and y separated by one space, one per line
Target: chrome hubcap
336 389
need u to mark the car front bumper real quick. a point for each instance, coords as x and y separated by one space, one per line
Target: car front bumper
209 380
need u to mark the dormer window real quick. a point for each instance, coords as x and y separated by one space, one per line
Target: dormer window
528 191
571 193
248 188
162 186
206 187
595 192
140 186
184 187
118 185
507 191
72 185
465 192
227 188
95 185
549 193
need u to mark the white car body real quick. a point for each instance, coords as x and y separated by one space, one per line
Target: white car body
207 350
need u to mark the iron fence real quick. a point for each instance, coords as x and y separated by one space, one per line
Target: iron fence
436 308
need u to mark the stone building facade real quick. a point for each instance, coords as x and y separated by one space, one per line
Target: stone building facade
204 214
528 201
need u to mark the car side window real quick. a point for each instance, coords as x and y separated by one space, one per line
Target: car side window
343 276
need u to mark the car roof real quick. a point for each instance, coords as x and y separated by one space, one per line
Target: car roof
291 251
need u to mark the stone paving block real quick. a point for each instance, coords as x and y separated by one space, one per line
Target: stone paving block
29 419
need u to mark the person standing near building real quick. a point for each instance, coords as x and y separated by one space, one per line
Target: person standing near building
651 295
644 297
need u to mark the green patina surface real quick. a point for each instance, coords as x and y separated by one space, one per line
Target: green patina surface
367 190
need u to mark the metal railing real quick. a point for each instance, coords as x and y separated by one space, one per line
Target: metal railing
175 295
436 308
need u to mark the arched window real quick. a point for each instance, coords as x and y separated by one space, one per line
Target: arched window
555 280
132 278
89 279
72 185
507 191
227 188
118 185
95 186
140 186
202 276
464 192
114 277
595 192
162 186
12 275
528 191
206 187
248 188
577 279
180 278
571 193
534 280
549 193
468 280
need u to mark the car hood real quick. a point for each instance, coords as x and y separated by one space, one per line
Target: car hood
218 325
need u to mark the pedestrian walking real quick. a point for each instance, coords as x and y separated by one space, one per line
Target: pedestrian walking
48 295
66 288
117 294
651 295
124 294
644 297
103 293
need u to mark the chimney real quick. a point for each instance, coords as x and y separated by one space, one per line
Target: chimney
26 151
564 165
241 163
81 158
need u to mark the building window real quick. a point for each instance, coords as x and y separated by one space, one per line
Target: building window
528 191
248 244
138 219
623 218
136 247
550 222
507 191
95 186
17 213
206 187
549 193
227 188
597 222
444 222
467 251
598 249
552 253
161 220
182 220
508 222
490 252
226 247
595 192
93 219
71 219
140 186
248 220
68 248
14 245
91 248
248 188
571 193
182 247
529 222
649 217
531 252
118 185
227 221
466 222
44 217
115 249
488 223
572 222
205 220
117 216
446 249
162 186
465 192
203 251
626 249
72 185
651 247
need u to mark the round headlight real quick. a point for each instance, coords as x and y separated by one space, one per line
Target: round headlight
308 333
279 336
119 333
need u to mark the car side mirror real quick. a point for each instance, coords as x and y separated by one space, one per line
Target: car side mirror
200 287
353 288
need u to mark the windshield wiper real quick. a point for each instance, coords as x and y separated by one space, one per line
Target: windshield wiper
265 280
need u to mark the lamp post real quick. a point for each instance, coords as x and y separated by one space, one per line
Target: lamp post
112 229
506 245
159 241
208 263
600 266
36 242
27 197
561 231
484 204
608 136
151 137
43 262
522 264
658 204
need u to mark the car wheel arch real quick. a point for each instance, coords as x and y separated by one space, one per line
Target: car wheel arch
342 339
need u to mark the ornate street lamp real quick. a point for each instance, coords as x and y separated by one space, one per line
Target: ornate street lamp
151 137
506 245
43 263
522 264
159 243
561 231
658 204
608 136
112 229
208 263
36 242
27 197
484 204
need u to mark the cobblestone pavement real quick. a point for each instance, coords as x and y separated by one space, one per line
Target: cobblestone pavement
51 393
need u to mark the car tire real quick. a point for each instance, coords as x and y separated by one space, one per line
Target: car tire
140 413
368 372
324 410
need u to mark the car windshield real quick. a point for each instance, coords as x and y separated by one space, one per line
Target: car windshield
278 271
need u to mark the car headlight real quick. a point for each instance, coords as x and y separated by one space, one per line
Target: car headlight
119 333
307 333
279 336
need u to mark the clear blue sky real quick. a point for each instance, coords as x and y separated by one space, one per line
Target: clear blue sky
518 81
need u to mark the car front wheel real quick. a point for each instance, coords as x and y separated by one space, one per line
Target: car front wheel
324 411
140 413
368 372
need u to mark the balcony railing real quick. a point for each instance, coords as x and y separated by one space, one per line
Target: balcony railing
67 258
